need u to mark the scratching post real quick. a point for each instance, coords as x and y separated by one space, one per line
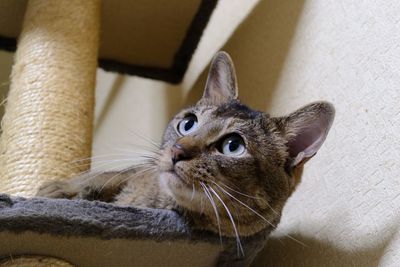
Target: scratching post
49 111
48 119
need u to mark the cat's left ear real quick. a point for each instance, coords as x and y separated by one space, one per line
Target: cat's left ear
221 83
305 130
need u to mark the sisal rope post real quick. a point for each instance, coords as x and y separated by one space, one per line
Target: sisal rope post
49 112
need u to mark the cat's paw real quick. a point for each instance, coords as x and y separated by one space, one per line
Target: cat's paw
57 189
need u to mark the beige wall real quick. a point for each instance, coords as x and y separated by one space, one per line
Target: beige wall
289 53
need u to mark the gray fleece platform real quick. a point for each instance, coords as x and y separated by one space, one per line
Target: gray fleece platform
92 233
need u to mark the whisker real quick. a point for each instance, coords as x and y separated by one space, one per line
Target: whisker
258 214
133 176
144 138
193 192
209 196
105 167
109 181
101 162
97 170
101 157
122 172
142 171
245 205
105 159
149 157
240 193
142 147
152 142
97 173
238 242
107 162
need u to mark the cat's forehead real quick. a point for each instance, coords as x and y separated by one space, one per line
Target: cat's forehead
228 110
234 109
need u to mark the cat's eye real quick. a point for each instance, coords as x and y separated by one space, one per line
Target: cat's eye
187 125
233 145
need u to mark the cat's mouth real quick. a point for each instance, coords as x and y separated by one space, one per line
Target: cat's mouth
178 176
173 174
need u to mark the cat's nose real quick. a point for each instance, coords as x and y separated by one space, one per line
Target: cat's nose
178 153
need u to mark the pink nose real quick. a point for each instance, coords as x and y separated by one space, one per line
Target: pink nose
178 153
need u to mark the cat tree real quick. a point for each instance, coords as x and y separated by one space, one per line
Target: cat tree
48 125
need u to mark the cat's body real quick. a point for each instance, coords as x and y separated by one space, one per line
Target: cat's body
228 168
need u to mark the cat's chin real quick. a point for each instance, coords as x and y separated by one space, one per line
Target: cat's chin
172 178
172 181
182 191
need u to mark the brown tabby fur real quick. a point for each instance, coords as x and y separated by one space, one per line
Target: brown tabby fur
252 187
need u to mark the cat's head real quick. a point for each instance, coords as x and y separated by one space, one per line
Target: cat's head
220 156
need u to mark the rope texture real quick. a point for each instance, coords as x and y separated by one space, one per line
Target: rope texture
49 111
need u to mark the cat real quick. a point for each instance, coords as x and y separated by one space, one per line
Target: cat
228 168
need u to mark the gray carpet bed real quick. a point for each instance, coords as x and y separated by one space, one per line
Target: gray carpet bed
93 233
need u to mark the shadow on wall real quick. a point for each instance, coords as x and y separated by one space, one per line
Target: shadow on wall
115 88
316 253
127 107
174 100
6 60
259 48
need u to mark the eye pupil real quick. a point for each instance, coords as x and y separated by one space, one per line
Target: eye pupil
189 124
233 145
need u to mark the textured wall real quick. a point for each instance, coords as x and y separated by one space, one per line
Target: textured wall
346 210
287 54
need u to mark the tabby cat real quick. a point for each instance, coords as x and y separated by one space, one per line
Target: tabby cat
228 168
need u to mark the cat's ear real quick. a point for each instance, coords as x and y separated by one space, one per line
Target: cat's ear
305 130
221 83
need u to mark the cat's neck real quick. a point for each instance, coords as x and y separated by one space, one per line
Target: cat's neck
245 226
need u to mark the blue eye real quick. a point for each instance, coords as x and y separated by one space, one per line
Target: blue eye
233 145
187 125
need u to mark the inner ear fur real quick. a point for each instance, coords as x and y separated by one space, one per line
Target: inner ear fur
305 130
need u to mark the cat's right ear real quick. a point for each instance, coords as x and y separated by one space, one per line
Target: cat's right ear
221 83
305 130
